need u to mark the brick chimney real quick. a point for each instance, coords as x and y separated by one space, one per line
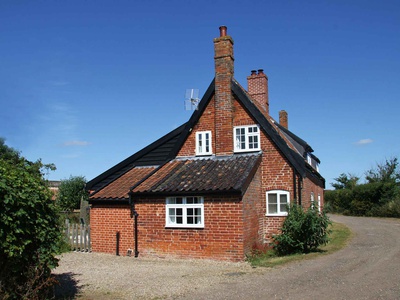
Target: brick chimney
283 119
223 46
257 85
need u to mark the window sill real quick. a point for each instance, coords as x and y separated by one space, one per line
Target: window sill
184 227
277 215
246 150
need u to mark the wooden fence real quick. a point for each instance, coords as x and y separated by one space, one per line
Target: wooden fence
78 236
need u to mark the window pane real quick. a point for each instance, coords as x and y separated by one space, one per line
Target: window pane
272 203
255 142
273 198
171 211
283 203
196 200
272 208
179 200
283 199
200 143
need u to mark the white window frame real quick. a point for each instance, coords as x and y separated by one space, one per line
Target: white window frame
184 205
319 202
248 134
201 143
279 211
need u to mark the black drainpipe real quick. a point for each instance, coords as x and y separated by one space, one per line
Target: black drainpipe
300 186
134 214
117 246
294 186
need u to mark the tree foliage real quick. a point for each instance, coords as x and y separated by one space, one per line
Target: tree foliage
302 231
378 196
29 230
345 181
70 193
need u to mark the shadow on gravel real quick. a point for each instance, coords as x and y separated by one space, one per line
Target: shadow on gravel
67 287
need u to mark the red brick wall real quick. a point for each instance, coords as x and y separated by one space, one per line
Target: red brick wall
105 221
206 122
253 215
310 185
221 238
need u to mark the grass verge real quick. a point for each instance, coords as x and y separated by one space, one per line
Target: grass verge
339 237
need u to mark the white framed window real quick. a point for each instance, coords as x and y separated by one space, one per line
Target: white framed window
184 212
309 159
319 202
246 138
203 143
277 203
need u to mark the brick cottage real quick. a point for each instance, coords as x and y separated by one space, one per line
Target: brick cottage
216 187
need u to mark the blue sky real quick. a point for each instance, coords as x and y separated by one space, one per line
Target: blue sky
85 84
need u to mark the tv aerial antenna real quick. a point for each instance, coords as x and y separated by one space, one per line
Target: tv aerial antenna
192 99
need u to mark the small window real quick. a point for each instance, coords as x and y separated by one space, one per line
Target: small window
319 202
277 203
185 212
203 143
246 138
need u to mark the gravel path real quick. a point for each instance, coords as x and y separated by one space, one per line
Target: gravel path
368 268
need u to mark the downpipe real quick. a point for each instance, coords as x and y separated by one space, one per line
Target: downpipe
134 215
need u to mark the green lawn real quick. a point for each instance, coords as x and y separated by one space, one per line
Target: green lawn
338 239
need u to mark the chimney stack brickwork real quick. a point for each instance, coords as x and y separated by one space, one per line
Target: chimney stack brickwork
224 69
283 119
257 86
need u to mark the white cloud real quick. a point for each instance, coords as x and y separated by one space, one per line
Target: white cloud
364 142
76 143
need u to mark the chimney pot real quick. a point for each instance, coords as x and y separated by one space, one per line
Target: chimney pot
260 71
222 31
253 72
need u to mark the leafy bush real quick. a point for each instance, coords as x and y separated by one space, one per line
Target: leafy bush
70 193
378 196
302 231
29 228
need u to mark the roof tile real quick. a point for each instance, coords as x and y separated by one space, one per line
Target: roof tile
212 174
119 188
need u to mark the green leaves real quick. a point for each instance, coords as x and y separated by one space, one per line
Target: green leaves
70 193
29 227
302 231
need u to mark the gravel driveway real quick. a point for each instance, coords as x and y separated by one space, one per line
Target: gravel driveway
368 268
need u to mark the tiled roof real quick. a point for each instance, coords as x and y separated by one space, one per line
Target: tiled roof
213 174
119 188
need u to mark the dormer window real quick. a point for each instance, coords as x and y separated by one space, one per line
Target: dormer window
309 159
246 138
203 143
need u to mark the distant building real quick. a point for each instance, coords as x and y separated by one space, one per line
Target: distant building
54 185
